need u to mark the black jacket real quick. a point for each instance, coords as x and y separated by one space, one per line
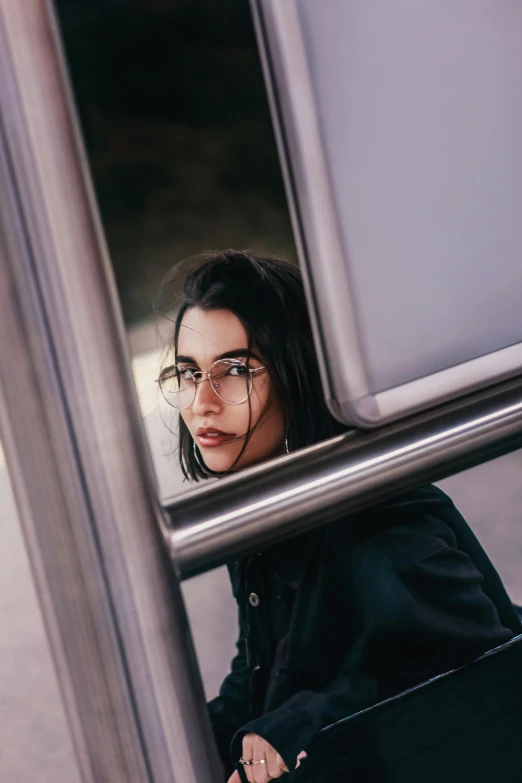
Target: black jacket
349 614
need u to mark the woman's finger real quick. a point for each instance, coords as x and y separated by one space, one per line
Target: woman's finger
234 778
281 763
260 770
302 755
273 768
248 754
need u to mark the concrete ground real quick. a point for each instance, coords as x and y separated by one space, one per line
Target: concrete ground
34 739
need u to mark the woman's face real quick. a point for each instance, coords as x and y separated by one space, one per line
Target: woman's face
217 427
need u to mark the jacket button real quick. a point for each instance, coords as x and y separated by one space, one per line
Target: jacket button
253 599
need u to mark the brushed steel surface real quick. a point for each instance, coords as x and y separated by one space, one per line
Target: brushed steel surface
385 123
74 443
260 506
310 197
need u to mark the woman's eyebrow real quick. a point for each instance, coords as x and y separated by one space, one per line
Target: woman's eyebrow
235 354
186 360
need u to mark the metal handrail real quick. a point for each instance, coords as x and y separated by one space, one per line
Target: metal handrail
75 446
266 504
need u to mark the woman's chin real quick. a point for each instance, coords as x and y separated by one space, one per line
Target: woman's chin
217 463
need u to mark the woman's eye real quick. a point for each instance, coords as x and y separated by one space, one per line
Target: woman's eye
186 373
237 369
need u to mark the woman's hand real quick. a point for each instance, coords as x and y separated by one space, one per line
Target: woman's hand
258 749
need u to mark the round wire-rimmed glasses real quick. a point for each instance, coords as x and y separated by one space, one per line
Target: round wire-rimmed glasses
231 380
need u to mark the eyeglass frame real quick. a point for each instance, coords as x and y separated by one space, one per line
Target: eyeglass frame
234 362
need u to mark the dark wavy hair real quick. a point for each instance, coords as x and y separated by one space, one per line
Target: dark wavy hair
266 294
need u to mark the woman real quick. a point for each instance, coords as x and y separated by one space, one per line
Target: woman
348 614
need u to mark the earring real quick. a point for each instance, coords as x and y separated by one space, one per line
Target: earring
198 459
287 448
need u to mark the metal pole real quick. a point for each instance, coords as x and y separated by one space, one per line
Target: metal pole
256 508
75 447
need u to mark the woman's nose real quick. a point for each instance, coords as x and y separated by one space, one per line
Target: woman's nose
206 399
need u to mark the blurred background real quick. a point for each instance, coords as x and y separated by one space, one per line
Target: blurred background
176 124
179 140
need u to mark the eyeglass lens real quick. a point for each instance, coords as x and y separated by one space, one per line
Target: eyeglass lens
230 380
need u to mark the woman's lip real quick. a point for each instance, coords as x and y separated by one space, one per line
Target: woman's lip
207 440
213 431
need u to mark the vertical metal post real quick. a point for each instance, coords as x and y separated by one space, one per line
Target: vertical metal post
75 446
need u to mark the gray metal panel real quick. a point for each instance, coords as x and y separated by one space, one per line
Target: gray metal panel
418 108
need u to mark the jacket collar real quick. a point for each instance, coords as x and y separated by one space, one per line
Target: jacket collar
289 559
